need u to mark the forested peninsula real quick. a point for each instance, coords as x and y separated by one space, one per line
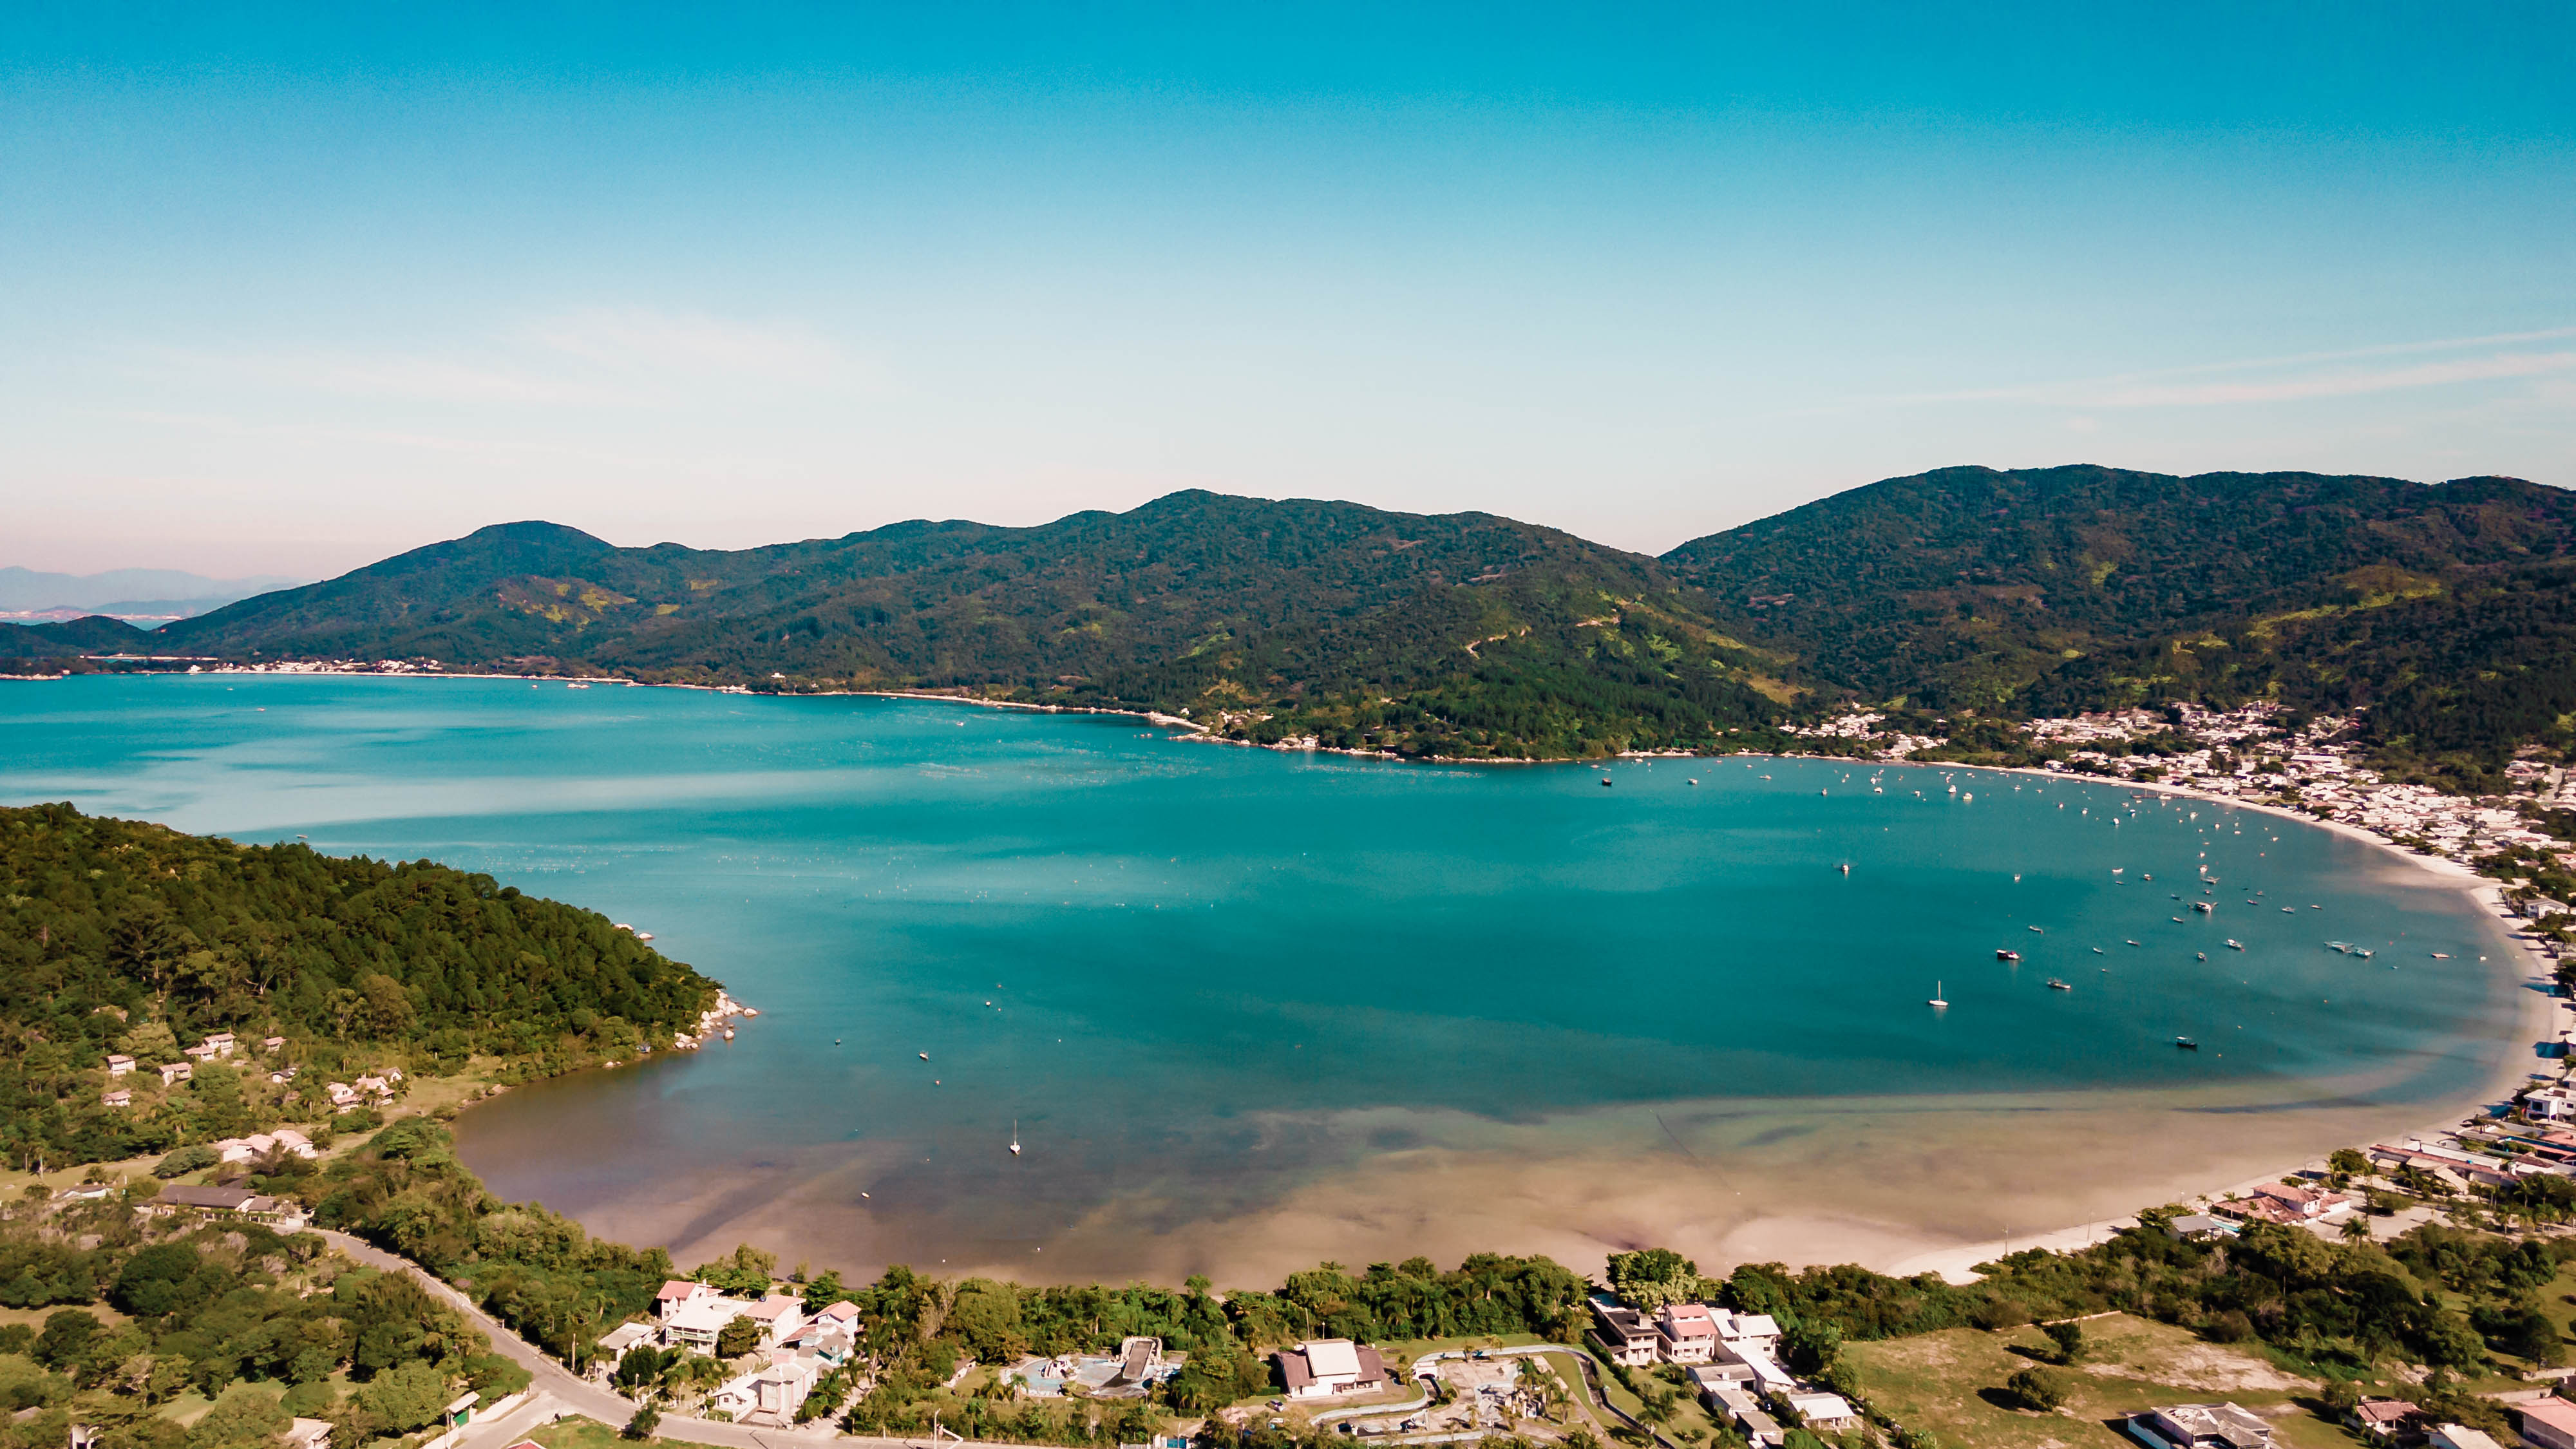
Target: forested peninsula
123 945
2442 612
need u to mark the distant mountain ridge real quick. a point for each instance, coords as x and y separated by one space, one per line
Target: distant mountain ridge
141 594
1962 591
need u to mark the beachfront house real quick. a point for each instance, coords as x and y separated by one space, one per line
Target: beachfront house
2460 1436
1323 1367
2549 1424
121 1097
1624 1335
779 1316
1741 1333
2202 1426
173 1072
677 1291
695 1323
1686 1333
2289 1204
2550 1104
119 1064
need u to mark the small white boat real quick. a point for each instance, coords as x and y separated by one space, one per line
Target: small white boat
2235 945
1015 1137
925 1056
1936 1002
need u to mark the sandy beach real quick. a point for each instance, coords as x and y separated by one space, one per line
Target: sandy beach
1908 1183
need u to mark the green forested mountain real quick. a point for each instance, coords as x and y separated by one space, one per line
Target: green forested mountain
119 937
2446 608
1464 634
2442 607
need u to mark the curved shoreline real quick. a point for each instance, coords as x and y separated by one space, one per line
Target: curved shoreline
2536 1015
2538 1018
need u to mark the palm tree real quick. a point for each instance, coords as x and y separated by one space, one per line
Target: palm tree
2356 1229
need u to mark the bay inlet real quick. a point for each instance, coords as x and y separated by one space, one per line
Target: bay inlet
1250 1010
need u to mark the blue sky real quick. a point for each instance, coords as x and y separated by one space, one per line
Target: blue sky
289 289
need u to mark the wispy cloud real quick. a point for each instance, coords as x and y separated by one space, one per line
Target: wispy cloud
641 339
2336 384
2297 376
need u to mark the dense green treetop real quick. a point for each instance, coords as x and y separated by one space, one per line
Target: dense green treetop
122 937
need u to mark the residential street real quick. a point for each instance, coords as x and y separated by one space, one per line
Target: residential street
575 1396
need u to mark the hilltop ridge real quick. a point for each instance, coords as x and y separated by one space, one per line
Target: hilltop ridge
2440 609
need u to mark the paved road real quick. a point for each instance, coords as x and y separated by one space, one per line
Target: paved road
574 1395
569 1394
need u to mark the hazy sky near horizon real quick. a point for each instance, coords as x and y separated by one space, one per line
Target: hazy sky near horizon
290 289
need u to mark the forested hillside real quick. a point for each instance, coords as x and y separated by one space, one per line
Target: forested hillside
138 1312
125 938
1464 634
2443 608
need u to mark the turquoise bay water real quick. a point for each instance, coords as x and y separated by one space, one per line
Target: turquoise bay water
1197 977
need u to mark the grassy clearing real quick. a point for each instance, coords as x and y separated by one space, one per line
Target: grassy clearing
579 1434
191 1406
1950 1384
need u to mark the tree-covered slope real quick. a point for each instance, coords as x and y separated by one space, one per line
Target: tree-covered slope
95 634
120 937
1463 633
2443 607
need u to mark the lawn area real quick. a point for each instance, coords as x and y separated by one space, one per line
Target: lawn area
191 1406
1938 1382
1689 1416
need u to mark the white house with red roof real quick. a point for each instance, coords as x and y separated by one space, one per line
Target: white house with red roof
1688 1332
779 1316
678 1291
